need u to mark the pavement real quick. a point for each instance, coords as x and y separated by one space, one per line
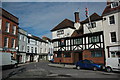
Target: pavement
62 65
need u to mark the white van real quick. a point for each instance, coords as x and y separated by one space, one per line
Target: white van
113 62
6 60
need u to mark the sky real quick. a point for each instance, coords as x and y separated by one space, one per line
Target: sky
38 18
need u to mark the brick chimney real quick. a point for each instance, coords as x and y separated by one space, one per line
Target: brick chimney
77 21
77 17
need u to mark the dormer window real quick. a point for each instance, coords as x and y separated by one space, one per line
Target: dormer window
114 4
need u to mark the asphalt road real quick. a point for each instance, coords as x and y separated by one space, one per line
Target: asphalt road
42 70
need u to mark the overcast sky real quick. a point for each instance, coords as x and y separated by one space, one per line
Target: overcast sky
38 18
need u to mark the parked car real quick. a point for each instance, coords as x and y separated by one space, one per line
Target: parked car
52 60
88 64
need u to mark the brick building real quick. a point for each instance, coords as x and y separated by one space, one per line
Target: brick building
84 42
8 32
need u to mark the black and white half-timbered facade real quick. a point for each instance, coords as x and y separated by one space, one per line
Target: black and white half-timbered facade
82 44
72 49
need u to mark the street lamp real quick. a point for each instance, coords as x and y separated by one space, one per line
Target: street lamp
17 54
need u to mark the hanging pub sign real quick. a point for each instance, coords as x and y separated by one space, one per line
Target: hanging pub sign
62 42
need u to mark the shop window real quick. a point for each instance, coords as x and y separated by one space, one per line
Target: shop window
96 53
67 54
118 54
112 54
59 54
115 54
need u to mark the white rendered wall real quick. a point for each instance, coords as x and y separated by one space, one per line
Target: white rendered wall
111 28
67 33
99 27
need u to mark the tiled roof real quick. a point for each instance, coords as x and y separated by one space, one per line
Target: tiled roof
64 24
46 38
78 32
93 17
109 10
36 38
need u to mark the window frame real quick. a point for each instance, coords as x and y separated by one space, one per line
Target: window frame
95 54
6 42
115 37
14 29
12 43
114 4
7 27
94 39
113 19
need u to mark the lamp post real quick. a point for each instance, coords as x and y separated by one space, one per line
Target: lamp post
17 55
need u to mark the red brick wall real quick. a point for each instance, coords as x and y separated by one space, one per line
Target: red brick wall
4 34
87 55
74 58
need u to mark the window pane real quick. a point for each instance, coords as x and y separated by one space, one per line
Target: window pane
7 27
96 53
67 54
59 54
113 36
14 29
13 43
112 20
112 54
5 42
118 54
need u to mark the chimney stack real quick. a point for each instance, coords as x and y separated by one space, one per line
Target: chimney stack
77 17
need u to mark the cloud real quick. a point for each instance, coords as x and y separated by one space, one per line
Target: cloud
39 18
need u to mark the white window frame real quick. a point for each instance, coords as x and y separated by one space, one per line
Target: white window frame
13 44
14 29
109 20
111 38
8 29
24 38
7 42
114 3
